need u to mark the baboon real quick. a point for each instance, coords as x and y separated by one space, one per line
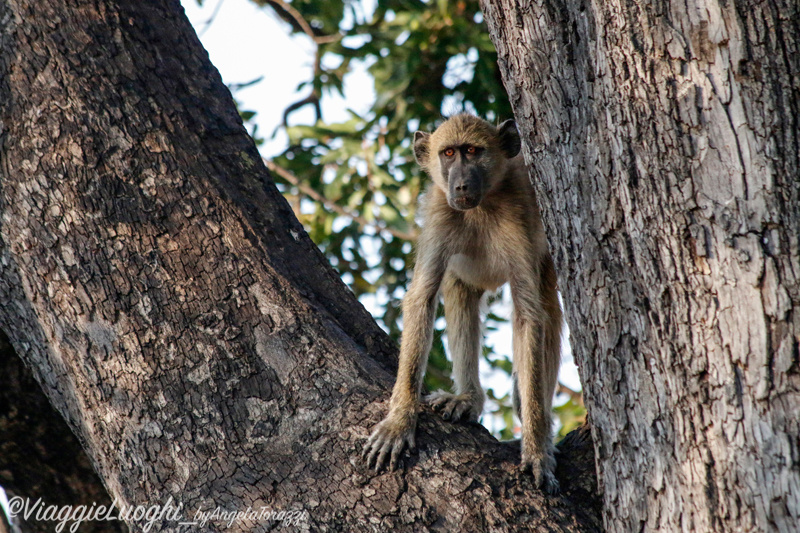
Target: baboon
481 228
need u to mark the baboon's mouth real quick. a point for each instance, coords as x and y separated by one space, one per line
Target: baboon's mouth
462 203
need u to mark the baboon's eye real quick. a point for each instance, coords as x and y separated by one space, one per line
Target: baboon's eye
472 150
449 152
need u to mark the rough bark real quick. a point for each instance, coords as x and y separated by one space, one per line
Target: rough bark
178 317
663 138
39 455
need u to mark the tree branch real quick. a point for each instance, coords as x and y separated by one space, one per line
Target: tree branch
207 24
310 99
575 396
287 12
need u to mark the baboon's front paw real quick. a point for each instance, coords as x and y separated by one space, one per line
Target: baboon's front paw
388 441
541 466
455 406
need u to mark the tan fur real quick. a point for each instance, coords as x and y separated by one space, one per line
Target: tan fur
466 253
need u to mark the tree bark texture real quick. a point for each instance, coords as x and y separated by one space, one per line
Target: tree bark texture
663 141
179 318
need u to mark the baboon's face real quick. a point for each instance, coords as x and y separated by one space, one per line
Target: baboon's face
464 174
466 157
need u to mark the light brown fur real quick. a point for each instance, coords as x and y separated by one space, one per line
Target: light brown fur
464 253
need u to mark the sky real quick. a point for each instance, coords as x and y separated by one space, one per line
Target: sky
245 42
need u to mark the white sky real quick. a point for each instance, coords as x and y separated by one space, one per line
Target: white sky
245 42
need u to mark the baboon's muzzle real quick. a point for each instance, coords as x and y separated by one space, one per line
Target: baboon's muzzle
466 191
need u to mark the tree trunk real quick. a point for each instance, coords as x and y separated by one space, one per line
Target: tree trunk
663 138
179 318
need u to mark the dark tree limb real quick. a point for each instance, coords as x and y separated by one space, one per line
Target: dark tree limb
39 455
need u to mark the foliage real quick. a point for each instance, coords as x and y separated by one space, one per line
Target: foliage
571 414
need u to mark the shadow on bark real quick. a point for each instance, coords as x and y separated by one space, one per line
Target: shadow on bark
40 457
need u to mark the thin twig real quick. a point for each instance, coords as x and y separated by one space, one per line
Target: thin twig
207 24
311 99
303 24
311 193
575 396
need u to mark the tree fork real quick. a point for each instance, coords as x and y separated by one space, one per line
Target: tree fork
178 316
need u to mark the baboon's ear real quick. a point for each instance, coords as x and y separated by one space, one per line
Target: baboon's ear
422 147
509 138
